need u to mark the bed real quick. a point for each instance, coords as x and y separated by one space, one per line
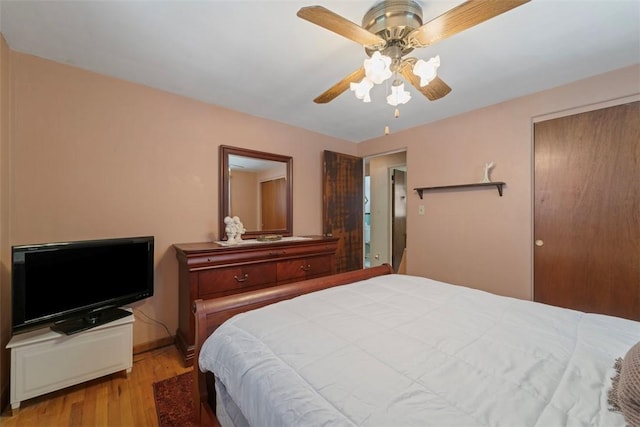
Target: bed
373 348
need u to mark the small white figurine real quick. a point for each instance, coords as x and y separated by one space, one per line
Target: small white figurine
487 168
230 229
240 230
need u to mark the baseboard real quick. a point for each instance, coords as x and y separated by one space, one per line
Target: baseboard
152 345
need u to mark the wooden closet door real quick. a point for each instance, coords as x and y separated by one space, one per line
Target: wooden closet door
587 211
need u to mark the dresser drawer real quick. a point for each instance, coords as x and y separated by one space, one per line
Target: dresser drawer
221 281
304 268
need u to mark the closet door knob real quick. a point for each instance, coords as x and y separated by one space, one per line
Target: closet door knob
539 242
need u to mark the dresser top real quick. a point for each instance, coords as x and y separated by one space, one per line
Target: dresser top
194 248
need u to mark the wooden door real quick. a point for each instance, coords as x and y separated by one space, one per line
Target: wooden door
274 204
342 207
587 211
398 216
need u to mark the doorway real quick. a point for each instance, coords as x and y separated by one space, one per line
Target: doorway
384 209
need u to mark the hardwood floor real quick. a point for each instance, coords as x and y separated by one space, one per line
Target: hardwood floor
116 400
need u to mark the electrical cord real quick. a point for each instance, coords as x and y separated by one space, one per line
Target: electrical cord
156 321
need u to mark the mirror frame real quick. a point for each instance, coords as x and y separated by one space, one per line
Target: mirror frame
224 152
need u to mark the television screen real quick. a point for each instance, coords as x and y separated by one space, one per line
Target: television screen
79 281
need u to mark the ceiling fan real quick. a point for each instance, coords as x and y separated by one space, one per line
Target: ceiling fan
392 29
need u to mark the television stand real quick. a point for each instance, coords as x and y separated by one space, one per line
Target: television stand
91 320
43 360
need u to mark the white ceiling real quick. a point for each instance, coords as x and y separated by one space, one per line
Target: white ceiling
258 57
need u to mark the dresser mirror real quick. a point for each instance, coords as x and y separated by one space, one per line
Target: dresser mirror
257 187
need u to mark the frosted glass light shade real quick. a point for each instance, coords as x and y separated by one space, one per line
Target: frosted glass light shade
377 68
426 70
362 89
398 95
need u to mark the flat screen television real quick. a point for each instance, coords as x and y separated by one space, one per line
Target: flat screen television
73 286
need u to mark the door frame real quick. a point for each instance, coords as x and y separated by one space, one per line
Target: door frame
392 216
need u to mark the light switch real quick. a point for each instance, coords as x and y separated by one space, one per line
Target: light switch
421 210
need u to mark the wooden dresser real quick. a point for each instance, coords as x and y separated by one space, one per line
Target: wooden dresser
209 270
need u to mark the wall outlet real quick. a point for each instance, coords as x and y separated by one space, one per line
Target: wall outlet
421 210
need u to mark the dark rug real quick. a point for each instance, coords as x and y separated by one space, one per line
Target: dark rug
173 401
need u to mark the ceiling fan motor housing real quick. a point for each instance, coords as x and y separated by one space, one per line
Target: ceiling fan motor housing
393 20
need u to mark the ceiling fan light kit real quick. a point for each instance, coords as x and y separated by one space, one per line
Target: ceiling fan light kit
380 68
392 29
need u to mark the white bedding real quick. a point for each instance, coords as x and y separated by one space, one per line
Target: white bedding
400 350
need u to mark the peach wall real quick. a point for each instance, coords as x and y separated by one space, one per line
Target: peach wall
5 256
474 237
98 157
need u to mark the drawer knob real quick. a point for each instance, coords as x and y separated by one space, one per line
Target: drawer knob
241 279
305 268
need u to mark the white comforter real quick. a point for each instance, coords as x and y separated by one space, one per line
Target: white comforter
401 350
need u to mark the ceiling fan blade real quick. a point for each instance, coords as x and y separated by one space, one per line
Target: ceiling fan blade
436 88
340 87
333 22
460 18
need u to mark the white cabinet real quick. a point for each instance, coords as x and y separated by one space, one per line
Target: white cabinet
43 361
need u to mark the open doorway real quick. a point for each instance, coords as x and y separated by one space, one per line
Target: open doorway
384 209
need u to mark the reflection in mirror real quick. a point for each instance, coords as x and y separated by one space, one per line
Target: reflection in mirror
256 187
258 192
